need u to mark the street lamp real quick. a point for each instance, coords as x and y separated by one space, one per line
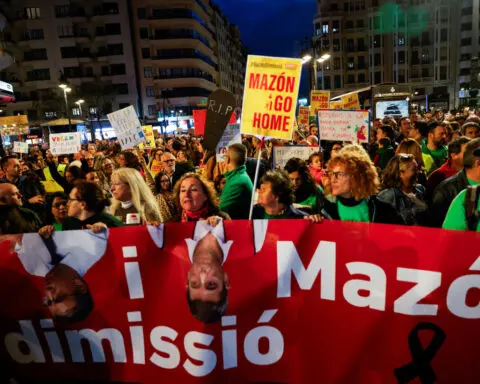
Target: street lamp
306 59
79 103
67 89
321 60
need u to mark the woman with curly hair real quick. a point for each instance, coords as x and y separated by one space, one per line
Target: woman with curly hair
196 199
354 184
401 191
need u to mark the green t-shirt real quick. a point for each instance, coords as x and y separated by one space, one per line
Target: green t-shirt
473 183
358 212
311 201
456 216
58 226
272 217
439 155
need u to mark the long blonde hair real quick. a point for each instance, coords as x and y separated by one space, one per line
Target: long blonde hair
142 197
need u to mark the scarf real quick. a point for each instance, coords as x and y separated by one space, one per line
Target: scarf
195 215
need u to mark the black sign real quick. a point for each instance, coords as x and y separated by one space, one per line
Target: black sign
220 107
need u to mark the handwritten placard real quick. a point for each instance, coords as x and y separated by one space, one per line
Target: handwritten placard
336 125
20 147
231 136
282 154
126 125
65 143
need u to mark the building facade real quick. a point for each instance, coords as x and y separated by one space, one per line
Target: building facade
86 45
406 41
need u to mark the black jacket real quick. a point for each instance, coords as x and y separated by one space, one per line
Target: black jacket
379 212
290 213
180 170
443 196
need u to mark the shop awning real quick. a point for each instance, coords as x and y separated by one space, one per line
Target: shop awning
59 122
351 93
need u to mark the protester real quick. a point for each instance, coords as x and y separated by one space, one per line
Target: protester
404 129
434 146
412 147
57 210
448 189
155 165
401 191
129 160
164 196
196 200
237 194
315 166
384 153
13 217
453 165
471 130
386 131
132 197
305 190
219 184
354 184
105 169
418 131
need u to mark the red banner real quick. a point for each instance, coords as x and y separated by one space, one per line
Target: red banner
269 301
199 118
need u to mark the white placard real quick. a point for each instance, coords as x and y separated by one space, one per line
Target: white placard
282 154
20 147
126 125
337 125
231 136
65 143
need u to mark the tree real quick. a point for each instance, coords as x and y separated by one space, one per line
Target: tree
100 96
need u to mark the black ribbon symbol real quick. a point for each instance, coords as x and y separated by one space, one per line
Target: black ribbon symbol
421 358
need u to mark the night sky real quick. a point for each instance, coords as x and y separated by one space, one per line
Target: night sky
272 27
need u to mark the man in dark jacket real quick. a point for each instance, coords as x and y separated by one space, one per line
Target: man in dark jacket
13 217
450 188
237 193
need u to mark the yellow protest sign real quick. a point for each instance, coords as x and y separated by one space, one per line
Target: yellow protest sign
150 138
270 96
303 115
319 100
336 104
17 120
351 101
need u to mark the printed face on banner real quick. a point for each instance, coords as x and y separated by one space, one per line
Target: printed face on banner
127 127
344 125
319 100
65 143
270 96
231 136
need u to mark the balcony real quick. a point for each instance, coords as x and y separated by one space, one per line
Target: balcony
180 13
166 34
184 54
207 77
185 92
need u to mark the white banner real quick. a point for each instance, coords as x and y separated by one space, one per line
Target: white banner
65 143
231 136
20 147
336 125
282 154
126 125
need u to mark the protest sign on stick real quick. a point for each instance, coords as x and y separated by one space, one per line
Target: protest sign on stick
149 137
20 147
220 107
336 125
303 116
200 117
351 101
337 104
126 125
231 136
65 143
319 100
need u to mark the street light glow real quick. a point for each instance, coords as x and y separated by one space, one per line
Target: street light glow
321 60
67 89
80 102
306 59
326 56
63 86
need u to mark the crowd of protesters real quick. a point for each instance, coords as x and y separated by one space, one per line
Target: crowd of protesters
420 170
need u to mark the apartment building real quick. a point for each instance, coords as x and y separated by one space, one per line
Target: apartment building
86 45
176 50
232 56
411 42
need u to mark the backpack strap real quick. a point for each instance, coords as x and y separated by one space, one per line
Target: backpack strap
471 203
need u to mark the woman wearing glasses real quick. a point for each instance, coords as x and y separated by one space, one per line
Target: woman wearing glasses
57 210
401 191
354 184
164 195
85 210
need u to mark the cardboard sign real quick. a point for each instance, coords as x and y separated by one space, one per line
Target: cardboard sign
200 118
282 154
270 96
319 100
221 104
17 120
351 102
338 104
82 129
344 125
294 290
231 136
303 116
65 143
126 125
149 137
20 147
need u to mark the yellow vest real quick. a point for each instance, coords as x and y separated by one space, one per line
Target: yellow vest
51 186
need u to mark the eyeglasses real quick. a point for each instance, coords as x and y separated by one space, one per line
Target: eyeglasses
337 175
59 204
60 299
405 157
